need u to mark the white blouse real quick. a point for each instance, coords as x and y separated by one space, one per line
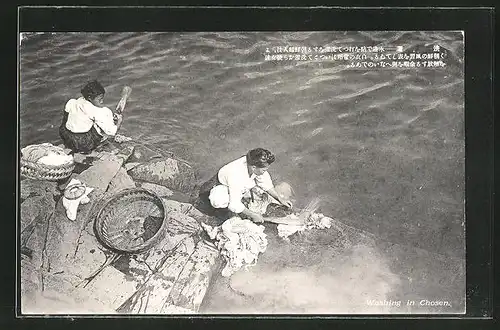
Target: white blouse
235 176
82 115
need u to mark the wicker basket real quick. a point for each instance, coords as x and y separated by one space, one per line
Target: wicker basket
131 221
39 171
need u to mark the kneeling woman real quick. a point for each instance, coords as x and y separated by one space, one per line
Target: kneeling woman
222 195
87 122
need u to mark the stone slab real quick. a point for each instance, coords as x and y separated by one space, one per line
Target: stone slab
151 297
193 282
187 209
63 234
161 191
111 288
120 182
171 173
100 174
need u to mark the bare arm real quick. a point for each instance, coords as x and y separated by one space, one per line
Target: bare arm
236 206
256 217
280 199
118 118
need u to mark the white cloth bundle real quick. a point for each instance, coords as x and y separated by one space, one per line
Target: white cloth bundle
240 242
122 138
46 154
55 159
71 205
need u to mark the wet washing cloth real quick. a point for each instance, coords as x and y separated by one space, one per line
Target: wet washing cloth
240 242
289 222
312 221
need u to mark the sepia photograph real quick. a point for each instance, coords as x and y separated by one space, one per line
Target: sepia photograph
251 172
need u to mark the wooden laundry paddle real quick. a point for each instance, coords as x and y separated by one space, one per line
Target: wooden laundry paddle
125 94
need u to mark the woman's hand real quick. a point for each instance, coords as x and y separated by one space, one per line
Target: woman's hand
257 218
283 200
254 216
286 202
118 118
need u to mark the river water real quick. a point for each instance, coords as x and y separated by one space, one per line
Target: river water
382 147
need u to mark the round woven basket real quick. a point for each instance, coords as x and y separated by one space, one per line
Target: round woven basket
38 171
131 221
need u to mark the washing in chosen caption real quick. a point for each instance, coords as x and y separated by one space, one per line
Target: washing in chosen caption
361 57
399 303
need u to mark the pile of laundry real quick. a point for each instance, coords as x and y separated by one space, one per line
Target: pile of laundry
46 154
310 220
240 242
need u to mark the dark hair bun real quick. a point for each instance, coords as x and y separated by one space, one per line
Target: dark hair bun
92 89
260 157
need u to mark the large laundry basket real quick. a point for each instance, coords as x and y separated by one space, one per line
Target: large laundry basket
32 168
131 221
37 171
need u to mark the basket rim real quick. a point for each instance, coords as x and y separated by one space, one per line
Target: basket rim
44 174
98 221
25 162
44 177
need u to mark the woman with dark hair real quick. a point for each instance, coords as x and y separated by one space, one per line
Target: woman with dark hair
222 195
87 122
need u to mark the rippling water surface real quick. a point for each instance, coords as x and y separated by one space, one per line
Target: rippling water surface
382 148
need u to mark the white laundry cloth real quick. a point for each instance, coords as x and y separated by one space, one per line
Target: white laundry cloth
240 242
47 154
71 205
284 231
122 138
55 159
314 221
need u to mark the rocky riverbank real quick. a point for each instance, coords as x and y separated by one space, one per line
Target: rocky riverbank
60 256
344 267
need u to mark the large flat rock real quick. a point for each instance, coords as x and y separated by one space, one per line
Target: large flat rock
35 213
171 277
192 284
120 182
168 172
159 190
111 288
181 282
143 153
151 297
189 210
63 234
102 171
